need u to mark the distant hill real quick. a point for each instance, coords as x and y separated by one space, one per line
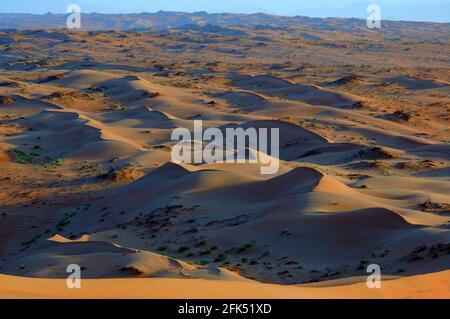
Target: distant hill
163 20
408 12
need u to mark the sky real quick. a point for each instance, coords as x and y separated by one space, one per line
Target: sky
412 10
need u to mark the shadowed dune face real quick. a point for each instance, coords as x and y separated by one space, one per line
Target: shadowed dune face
414 84
309 94
87 175
106 260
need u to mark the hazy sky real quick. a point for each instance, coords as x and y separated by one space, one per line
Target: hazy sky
421 10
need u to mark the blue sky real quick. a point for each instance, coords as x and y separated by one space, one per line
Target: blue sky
415 10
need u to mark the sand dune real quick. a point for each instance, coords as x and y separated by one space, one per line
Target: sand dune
90 138
242 99
106 260
424 286
311 94
299 198
416 83
82 79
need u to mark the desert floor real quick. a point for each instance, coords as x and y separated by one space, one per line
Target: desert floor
422 286
86 175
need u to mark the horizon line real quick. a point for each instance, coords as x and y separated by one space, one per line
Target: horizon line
218 13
